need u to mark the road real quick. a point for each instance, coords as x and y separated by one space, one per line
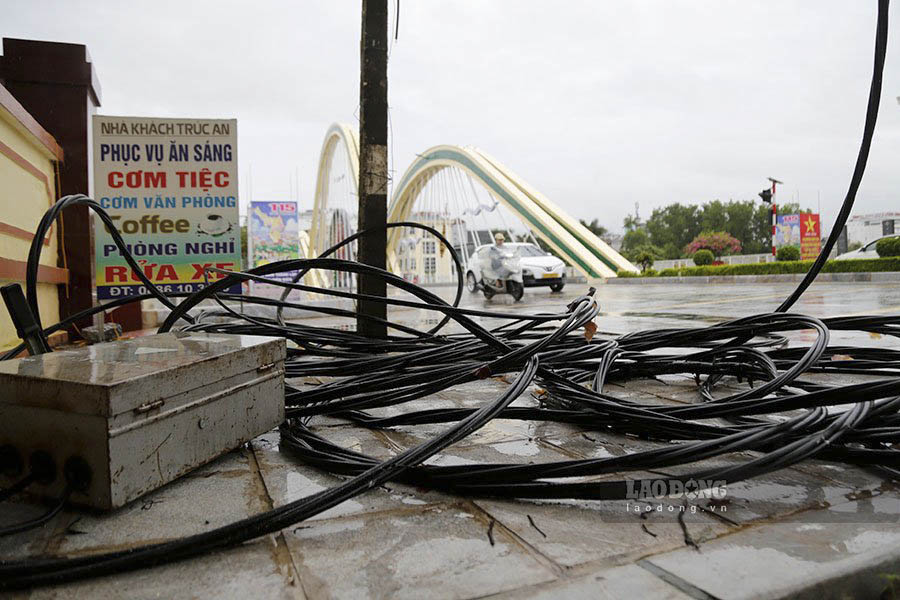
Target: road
626 308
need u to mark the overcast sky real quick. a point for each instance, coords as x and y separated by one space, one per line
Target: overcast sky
599 105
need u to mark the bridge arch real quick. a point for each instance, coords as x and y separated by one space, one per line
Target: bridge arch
588 254
332 222
340 138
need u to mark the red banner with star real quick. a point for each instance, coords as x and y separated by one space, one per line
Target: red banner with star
810 236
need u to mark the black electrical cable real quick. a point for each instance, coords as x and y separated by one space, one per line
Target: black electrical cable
787 442
38 521
881 38
18 486
457 264
26 573
34 253
757 395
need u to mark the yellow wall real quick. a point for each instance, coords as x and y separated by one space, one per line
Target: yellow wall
23 201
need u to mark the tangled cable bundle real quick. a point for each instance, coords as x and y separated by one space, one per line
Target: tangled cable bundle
778 415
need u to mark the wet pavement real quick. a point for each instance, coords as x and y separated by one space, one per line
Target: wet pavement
626 308
818 529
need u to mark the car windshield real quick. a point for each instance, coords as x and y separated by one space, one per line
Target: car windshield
529 250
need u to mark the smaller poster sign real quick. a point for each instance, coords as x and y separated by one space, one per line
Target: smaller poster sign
273 234
787 231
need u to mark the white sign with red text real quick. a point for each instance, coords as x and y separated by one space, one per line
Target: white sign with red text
170 186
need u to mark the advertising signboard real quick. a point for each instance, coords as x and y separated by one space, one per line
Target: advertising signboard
170 186
273 234
803 231
810 236
787 231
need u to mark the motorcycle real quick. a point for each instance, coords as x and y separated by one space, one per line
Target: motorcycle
503 275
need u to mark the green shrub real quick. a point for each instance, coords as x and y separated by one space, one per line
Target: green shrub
650 273
862 265
626 273
888 247
704 257
788 253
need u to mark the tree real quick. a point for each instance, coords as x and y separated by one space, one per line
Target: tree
674 226
714 216
671 251
761 231
739 217
792 208
644 257
632 222
634 239
676 223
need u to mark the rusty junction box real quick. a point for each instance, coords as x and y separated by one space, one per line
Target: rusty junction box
139 413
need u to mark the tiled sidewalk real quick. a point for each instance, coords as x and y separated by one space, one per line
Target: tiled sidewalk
818 529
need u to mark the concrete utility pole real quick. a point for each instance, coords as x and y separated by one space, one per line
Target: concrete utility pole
373 166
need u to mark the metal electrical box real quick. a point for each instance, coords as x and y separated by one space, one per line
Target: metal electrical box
140 412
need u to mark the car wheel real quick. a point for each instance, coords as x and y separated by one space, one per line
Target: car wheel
471 284
557 287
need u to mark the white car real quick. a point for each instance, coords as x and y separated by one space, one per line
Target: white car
867 251
539 268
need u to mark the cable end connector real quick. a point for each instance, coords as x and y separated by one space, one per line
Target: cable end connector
23 319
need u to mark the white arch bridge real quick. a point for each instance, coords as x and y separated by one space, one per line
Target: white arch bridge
447 187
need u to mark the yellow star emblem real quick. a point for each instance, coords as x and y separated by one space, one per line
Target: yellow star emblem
810 225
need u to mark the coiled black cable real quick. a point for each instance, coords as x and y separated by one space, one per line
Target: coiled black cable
781 417
34 252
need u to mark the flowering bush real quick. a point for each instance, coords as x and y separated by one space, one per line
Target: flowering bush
719 243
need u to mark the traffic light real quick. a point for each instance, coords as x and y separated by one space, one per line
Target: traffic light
766 196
